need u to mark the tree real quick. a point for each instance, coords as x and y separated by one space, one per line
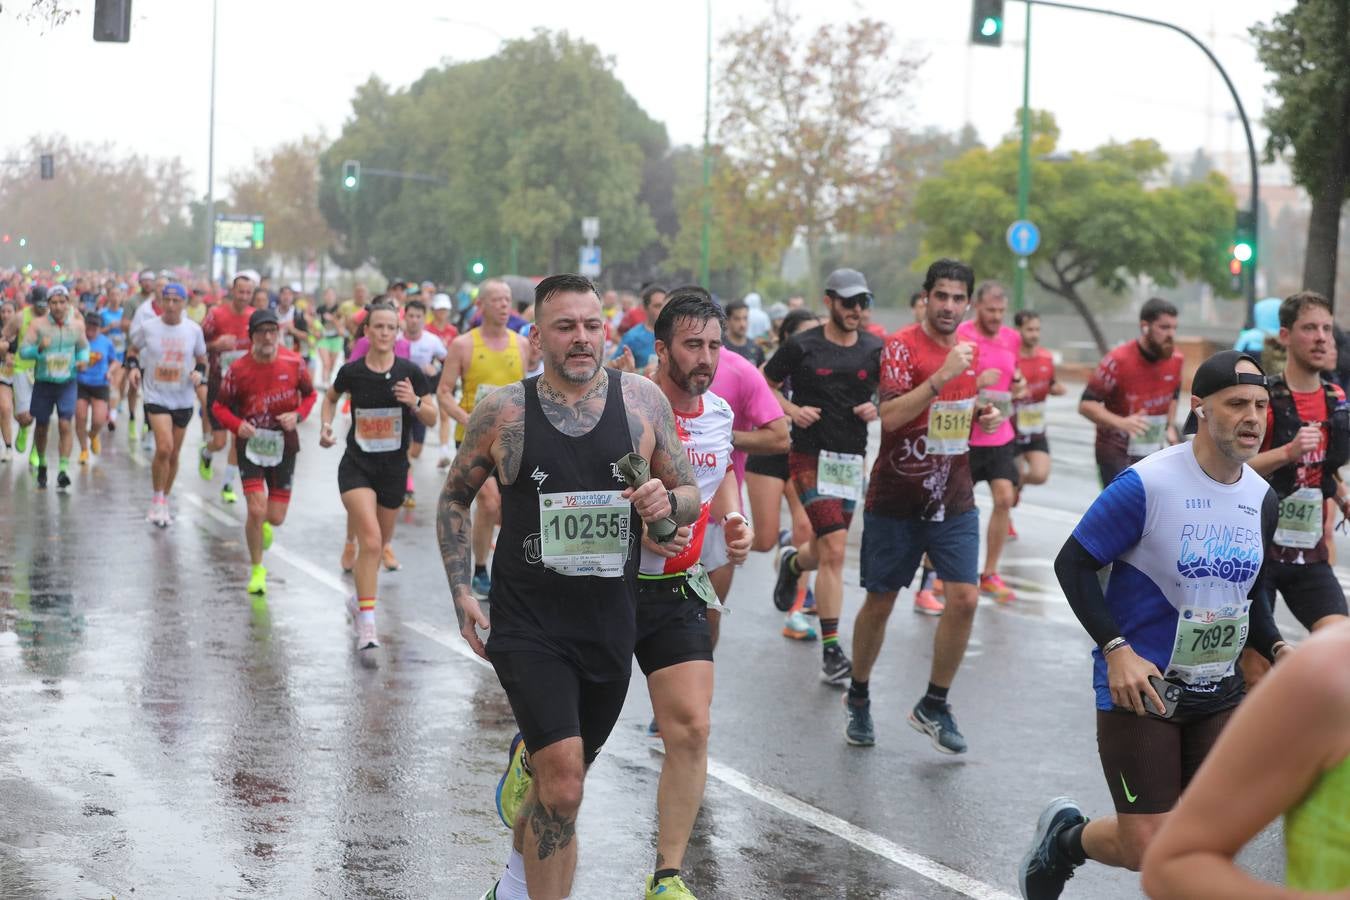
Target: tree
1307 49
805 119
282 186
1100 218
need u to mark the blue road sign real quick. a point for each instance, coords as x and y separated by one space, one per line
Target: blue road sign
589 262
1023 237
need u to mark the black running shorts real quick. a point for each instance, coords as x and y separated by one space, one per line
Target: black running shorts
1311 590
1032 443
276 480
93 392
672 624
181 417
552 702
387 478
990 463
1149 761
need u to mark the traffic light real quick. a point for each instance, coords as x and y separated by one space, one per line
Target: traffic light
112 21
23 242
477 268
56 266
5 239
47 166
986 22
351 175
1244 248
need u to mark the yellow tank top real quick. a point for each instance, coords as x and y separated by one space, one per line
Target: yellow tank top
1317 834
488 370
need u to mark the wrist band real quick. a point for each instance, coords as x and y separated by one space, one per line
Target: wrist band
1113 644
734 517
935 389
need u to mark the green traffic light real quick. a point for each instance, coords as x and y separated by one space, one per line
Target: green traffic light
1242 251
477 268
989 27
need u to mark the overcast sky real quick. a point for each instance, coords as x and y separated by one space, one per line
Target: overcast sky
289 67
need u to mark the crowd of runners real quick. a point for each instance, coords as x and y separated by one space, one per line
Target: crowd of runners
608 467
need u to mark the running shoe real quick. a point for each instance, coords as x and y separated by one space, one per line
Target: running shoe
152 516
352 609
798 627
481 585
785 590
34 461
204 466
267 535
858 728
993 586
6 454
21 439
133 431
492 892
668 888
1012 532
940 725
389 559
62 480
443 462
835 668
227 494
147 438
84 457
653 730
809 603
409 501
42 478
939 589
95 446
365 634
1044 869
927 603
348 556
514 783
257 580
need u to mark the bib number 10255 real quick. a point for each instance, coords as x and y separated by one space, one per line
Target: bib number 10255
585 533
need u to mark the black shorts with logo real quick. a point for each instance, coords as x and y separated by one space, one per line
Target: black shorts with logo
672 624
1310 590
991 463
1032 443
276 479
552 701
1149 761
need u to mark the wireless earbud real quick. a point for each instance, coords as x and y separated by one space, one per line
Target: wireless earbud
1199 412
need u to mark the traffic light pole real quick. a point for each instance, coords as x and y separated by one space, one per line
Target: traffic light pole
1024 168
705 250
1254 200
211 162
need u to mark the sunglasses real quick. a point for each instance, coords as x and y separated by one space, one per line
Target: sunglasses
857 301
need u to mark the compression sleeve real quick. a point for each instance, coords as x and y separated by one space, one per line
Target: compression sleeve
1264 632
1076 570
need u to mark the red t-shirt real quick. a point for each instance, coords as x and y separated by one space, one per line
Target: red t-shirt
259 393
220 321
1039 372
446 334
633 318
1128 382
907 480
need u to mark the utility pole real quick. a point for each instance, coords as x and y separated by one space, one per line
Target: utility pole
1024 167
704 255
211 160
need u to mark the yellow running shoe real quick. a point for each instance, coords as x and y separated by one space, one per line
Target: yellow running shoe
514 783
668 888
95 445
257 580
267 535
84 457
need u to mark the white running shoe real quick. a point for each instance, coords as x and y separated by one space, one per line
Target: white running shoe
153 515
365 634
6 454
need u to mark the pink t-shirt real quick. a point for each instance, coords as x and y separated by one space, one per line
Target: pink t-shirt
401 348
999 353
752 404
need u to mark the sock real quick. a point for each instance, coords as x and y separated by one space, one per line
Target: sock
857 690
512 884
829 633
929 576
792 565
409 488
935 697
366 605
205 455
1070 842
159 496
231 475
664 873
62 464
480 571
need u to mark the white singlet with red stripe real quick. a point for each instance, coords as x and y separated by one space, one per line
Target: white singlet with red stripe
706 437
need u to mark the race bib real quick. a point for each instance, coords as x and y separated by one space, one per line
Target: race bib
949 424
1300 523
166 374
119 341
584 533
483 391
7 368
379 430
1000 400
230 357
265 448
1031 418
840 475
1152 438
1207 644
58 365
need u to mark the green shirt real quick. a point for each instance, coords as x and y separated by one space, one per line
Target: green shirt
1317 834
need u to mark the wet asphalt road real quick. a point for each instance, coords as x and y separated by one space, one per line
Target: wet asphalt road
164 735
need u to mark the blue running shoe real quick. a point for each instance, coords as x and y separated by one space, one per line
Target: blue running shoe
1044 869
858 730
940 725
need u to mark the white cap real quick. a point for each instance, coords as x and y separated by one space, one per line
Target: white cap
442 301
250 274
296 287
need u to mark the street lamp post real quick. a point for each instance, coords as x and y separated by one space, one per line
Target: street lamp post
705 251
211 160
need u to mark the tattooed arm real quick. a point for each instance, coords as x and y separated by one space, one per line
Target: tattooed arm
652 427
493 439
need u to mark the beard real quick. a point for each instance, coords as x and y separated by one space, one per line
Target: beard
837 317
574 375
685 381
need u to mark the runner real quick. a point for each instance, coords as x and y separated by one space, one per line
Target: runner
425 351
226 332
56 343
674 640
1307 442
1132 396
563 609
440 325
331 329
262 398
738 339
92 389
921 500
479 362
110 318
8 313
1037 366
22 382
386 394
640 340
1306 780
1184 532
167 358
129 307
834 372
992 458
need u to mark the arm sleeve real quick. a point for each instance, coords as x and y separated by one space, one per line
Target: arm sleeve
1264 632
1076 570
1113 524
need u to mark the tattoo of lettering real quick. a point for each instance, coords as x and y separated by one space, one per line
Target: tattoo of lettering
575 419
499 421
552 831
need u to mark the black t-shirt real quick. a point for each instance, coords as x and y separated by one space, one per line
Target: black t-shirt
749 351
831 377
378 417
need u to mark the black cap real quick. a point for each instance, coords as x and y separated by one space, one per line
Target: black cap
260 318
37 295
1219 372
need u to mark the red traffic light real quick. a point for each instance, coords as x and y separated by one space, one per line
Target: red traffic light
1235 266
5 239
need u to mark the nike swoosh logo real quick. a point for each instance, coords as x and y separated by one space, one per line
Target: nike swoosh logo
1128 796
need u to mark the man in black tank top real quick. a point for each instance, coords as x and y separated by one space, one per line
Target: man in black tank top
563 594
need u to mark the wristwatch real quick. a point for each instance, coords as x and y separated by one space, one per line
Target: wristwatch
670 496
